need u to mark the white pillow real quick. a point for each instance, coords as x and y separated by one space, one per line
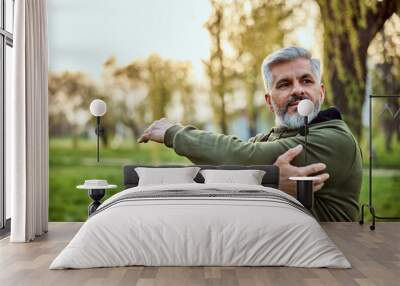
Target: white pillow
162 176
248 177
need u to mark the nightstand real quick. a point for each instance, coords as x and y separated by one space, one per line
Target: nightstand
96 191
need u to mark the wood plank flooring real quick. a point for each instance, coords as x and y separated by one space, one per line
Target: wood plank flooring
374 255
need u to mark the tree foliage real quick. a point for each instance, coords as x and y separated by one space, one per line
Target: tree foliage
242 33
385 79
185 89
349 28
143 90
136 94
70 94
218 67
256 30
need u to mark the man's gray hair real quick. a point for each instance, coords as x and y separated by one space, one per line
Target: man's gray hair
287 54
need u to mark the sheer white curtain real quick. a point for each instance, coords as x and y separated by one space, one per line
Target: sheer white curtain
27 147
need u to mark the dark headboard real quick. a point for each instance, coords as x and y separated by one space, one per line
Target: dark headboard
270 179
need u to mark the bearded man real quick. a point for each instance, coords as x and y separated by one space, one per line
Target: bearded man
290 75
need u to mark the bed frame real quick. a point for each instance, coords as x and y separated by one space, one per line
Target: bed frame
270 179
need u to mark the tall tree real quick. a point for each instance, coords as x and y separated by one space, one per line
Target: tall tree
217 67
349 28
70 94
147 88
255 32
159 78
123 86
185 88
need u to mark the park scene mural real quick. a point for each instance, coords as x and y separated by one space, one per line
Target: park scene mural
198 63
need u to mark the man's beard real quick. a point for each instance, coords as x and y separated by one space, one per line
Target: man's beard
293 121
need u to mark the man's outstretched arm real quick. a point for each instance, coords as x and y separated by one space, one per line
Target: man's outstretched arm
203 147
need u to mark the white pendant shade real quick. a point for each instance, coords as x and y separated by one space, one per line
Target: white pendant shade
305 107
98 107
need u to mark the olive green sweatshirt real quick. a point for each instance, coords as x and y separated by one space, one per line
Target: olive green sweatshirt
329 141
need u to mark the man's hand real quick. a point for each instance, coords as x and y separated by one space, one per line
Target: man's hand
156 131
286 170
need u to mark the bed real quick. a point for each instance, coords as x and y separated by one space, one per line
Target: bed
201 224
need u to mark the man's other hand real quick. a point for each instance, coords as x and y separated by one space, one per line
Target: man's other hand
287 170
156 131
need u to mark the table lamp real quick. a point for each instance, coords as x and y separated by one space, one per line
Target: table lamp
98 108
305 184
305 108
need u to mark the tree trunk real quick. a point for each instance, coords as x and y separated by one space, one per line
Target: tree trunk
75 141
222 116
252 118
217 71
104 138
345 84
251 108
135 132
348 30
221 74
251 114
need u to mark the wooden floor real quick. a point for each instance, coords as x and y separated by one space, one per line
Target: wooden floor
374 255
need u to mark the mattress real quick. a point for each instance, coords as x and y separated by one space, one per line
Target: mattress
201 225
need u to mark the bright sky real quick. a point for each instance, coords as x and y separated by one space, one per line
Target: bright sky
83 34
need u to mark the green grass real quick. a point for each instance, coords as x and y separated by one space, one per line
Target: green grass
70 166
386 176
383 158
385 195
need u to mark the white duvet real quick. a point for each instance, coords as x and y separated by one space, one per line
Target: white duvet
200 231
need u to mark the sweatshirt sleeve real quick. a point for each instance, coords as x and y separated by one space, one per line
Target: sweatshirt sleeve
203 147
328 145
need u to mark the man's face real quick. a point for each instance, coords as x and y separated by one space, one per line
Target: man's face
293 81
